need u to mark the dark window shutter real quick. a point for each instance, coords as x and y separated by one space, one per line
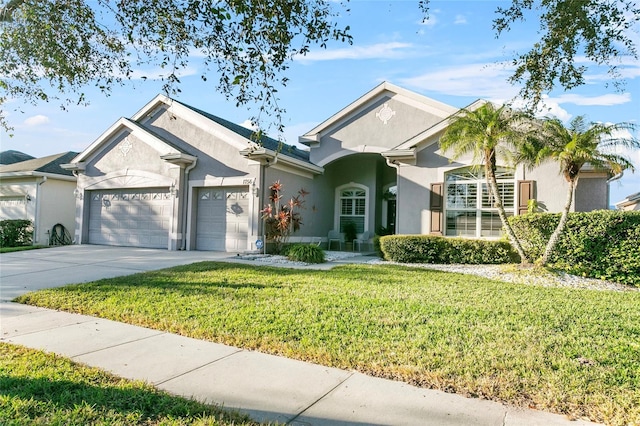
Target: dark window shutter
525 193
436 205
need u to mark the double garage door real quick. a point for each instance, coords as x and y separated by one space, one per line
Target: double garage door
130 217
142 217
222 219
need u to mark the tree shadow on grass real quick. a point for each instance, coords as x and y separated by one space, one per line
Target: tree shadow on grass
60 398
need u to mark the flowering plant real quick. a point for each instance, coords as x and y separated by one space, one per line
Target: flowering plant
281 220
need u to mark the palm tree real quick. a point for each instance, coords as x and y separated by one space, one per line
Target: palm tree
487 133
573 147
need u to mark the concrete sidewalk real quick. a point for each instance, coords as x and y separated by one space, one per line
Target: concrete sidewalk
268 388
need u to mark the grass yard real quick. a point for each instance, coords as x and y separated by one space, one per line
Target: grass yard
568 351
21 248
43 389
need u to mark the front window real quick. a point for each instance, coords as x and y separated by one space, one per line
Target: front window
353 208
470 207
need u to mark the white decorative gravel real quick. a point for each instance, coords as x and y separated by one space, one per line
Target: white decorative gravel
519 275
508 273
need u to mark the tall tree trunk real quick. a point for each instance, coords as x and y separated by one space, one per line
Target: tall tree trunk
493 188
553 240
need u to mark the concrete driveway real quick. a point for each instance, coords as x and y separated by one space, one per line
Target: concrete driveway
25 271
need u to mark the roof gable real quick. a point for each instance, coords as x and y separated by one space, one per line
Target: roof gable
232 133
387 89
266 141
161 145
418 141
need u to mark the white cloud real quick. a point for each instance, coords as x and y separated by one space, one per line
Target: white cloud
391 50
602 100
485 80
248 124
460 19
36 120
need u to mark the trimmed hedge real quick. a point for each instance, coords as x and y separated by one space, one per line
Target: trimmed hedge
434 249
307 253
603 244
16 233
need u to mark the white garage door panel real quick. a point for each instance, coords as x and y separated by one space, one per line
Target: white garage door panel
130 217
12 208
223 219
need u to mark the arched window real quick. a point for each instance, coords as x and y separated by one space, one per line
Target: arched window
352 206
469 207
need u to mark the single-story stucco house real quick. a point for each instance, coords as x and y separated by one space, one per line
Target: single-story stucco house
41 191
173 176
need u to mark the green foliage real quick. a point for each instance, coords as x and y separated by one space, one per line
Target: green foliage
601 244
600 30
50 47
16 233
434 249
350 232
381 232
308 253
490 134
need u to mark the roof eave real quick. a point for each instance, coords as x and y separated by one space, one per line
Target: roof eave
180 159
406 156
267 156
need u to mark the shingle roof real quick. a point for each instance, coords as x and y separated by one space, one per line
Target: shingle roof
11 157
265 141
50 164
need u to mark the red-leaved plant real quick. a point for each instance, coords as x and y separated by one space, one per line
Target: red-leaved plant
281 220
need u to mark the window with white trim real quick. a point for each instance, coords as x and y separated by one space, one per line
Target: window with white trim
353 208
469 206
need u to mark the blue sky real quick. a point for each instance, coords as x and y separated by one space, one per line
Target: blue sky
454 58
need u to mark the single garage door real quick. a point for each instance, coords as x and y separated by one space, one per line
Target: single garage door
14 207
223 219
130 217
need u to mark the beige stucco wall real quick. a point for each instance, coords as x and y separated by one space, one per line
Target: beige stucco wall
312 213
56 205
50 201
366 132
216 157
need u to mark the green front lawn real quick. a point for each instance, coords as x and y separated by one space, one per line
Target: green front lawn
43 389
568 351
21 248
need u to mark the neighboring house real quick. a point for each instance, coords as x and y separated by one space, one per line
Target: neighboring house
11 157
41 191
176 177
632 202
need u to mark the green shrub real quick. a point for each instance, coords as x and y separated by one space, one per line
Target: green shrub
434 249
376 245
16 233
601 244
308 253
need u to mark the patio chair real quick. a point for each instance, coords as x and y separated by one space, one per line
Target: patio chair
363 239
334 236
